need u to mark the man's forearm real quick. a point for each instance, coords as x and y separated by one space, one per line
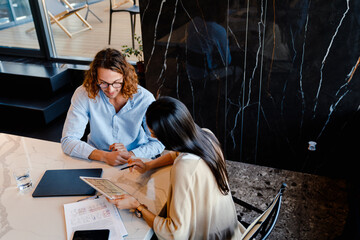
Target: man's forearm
76 148
97 155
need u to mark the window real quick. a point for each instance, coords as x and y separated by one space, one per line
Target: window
15 20
29 25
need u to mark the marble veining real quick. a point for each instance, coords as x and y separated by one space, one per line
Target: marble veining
326 55
25 217
265 76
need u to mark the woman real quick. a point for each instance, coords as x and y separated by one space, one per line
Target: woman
113 103
199 204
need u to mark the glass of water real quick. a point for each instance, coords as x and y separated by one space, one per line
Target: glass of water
23 178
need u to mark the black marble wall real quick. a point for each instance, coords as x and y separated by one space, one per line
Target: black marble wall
265 76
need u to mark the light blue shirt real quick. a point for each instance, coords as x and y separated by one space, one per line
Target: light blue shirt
128 126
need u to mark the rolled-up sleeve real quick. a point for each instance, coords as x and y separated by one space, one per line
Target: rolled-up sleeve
74 127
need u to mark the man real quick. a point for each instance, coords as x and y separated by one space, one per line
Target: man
111 100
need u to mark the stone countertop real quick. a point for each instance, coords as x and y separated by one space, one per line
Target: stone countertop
313 207
25 217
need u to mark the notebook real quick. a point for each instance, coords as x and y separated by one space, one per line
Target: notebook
66 182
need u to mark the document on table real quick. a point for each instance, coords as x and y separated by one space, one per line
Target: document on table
94 214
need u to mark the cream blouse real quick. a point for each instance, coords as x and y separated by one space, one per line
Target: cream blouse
196 209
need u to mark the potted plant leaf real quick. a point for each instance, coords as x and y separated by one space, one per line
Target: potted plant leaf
138 53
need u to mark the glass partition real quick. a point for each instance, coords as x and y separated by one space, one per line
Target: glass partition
16 25
67 30
86 31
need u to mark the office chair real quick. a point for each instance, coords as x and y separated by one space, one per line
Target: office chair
262 226
133 10
89 2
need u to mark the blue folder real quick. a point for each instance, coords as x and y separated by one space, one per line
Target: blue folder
66 182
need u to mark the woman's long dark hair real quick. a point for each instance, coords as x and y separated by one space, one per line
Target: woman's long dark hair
173 125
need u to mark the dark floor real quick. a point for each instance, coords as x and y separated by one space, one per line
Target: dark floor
313 207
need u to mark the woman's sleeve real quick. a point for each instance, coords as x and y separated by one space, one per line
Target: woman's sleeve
74 127
177 224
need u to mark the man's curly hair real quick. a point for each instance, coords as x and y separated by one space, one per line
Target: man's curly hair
112 59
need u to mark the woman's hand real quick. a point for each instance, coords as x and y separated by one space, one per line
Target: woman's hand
138 165
124 201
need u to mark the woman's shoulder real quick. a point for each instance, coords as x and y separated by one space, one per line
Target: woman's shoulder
208 131
188 165
186 160
210 134
188 156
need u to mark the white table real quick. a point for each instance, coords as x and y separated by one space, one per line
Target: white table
25 217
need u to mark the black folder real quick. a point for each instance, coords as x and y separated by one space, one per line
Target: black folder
66 182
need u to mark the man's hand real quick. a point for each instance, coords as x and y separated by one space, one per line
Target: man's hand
117 147
120 147
115 158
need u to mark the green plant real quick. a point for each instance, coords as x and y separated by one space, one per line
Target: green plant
137 52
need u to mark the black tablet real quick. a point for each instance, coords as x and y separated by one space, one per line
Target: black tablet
66 182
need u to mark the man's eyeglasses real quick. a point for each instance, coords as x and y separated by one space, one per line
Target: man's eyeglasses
105 85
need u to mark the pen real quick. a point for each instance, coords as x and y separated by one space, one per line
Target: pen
126 167
92 197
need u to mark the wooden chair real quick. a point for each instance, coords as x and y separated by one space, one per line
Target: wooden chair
133 10
118 3
262 226
90 2
58 11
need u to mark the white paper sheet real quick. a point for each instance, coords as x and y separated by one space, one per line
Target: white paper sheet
94 214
